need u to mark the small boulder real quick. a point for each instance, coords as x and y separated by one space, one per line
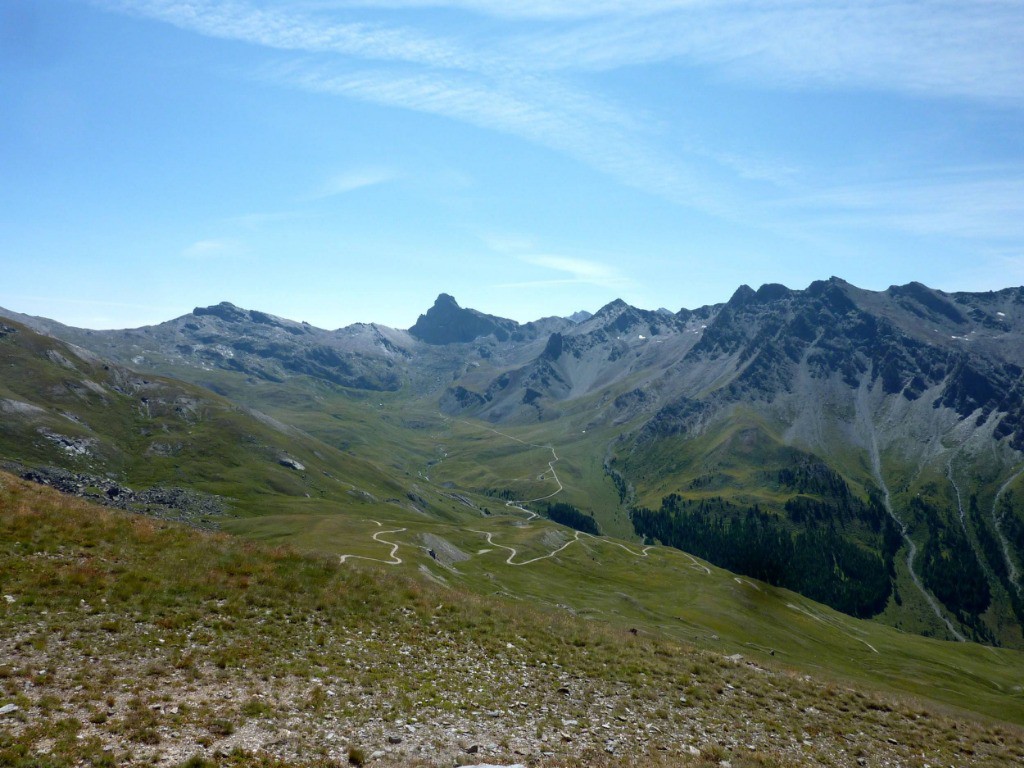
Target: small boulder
288 461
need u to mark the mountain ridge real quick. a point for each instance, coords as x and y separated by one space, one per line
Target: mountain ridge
910 396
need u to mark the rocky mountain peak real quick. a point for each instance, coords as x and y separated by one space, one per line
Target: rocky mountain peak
772 292
225 311
925 302
446 300
612 308
743 295
448 323
580 317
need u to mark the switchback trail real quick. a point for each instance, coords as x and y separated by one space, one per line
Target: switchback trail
394 558
518 503
833 624
509 560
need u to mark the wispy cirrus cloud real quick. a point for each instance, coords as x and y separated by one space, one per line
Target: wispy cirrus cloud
928 47
468 82
350 181
288 31
214 248
573 126
538 78
932 47
572 271
255 220
520 9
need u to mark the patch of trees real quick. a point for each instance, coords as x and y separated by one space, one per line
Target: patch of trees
806 510
992 551
838 504
949 566
818 562
1013 526
814 477
622 486
502 493
567 514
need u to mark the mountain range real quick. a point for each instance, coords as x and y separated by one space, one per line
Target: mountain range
862 448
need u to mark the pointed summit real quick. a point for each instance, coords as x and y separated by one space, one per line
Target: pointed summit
448 323
743 295
446 300
612 308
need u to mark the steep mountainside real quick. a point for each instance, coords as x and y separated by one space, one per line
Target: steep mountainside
863 448
448 323
143 441
253 343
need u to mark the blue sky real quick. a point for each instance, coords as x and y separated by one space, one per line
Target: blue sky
339 161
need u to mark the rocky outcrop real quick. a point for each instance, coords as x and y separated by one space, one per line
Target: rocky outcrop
448 323
167 503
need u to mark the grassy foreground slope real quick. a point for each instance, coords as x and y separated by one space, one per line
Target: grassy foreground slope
134 641
663 592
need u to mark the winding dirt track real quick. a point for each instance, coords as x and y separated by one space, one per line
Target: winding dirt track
832 623
509 560
394 558
516 504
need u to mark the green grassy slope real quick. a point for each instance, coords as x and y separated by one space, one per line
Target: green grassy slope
417 486
131 641
64 407
670 594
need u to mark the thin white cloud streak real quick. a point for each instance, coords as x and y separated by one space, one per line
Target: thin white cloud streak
931 47
578 271
216 248
517 9
568 127
231 20
966 50
481 90
353 180
251 221
973 50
